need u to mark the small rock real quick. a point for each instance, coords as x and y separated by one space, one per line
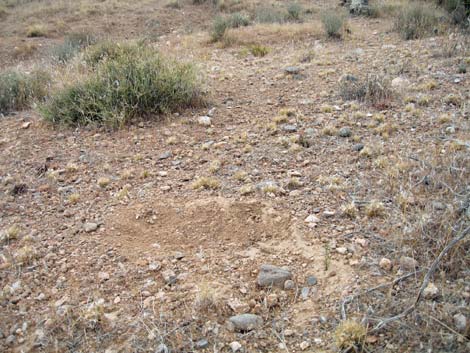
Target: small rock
235 346
311 280
345 132
165 155
179 255
26 125
385 264
204 120
431 291
169 277
270 275
460 322
103 276
90 227
342 250
246 322
304 293
400 83
358 147
201 344
304 345
289 128
289 284
312 219
292 70
408 263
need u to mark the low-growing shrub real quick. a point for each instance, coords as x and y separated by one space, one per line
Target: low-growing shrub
239 20
332 23
269 14
18 90
109 51
459 11
259 50
417 19
35 31
137 82
72 44
374 89
294 11
222 24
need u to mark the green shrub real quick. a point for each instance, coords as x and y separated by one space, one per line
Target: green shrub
294 11
136 82
222 24
269 14
18 90
73 43
238 19
109 51
259 50
332 23
417 19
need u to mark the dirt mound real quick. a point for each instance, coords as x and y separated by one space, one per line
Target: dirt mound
193 225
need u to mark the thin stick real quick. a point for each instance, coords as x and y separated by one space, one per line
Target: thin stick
425 282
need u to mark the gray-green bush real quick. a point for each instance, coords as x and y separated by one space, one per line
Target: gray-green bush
137 82
222 24
73 43
332 23
417 19
18 90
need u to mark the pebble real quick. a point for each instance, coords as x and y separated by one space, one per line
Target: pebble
292 70
270 275
201 344
312 219
169 277
345 132
304 293
460 322
289 284
385 264
431 291
246 322
342 250
289 128
165 155
311 280
204 120
103 276
235 346
304 345
90 227
358 147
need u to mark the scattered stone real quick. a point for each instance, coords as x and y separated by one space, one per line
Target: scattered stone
431 291
345 132
304 293
201 344
179 255
246 322
292 70
103 276
342 250
26 125
329 214
460 322
165 155
312 280
90 227
358 147
312 219
304 345
289 127
408 263
235 346
204 120
169 277
289 284
270 275
385 264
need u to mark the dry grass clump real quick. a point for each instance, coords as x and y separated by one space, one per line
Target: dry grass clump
206 183
333 23
417 19
374 89
258 50
72 44
18 90
37 30
222 24
350 336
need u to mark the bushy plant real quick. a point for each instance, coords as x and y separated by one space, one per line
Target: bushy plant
332 23
269 14
417 19
374 89
72 44
294 11
222 24
136 82
18 90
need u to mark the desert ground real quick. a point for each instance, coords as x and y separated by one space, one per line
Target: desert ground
161 235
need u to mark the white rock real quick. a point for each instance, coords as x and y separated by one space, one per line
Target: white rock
460 322
431 291
342 250
304 345
90 227
103 276
385 264
204 120
235 346
312 219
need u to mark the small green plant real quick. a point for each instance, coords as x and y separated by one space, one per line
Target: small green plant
269 14
18 90
72 44
259 50
135 82
109 51
333 23
294 11
416 20
238 19
222 24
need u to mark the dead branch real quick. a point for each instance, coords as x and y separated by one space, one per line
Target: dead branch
425 282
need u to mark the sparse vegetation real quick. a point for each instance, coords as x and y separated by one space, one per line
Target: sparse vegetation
72 44
259 50
417 19
18 90
37 30
333 23
374 89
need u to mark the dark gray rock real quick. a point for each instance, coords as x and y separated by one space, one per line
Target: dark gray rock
292 70
345 132
270 275
246 322
358 147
